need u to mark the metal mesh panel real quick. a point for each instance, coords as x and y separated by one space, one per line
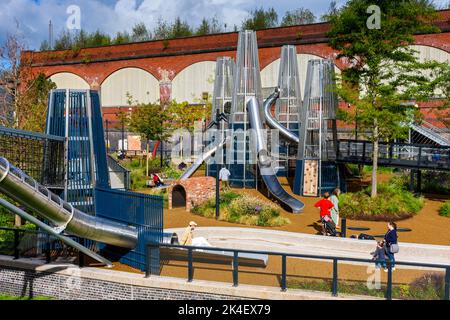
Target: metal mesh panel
40 156
141 211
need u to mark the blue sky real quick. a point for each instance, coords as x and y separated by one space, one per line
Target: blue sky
111 16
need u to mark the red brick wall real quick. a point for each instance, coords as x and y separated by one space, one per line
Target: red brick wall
198 190
96 64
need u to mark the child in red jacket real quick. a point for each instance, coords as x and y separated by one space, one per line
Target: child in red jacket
325 205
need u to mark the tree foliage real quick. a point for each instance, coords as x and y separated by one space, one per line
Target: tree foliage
261 19
298 17
384 71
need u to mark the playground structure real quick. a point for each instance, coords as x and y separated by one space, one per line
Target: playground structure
63 175
303 145
71 190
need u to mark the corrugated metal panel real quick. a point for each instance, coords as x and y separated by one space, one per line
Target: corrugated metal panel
66 80
429 53
269 75
140 84
193 81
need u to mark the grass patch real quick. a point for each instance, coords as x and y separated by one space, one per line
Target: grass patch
367 170
242 209
393 203
445 210
431 286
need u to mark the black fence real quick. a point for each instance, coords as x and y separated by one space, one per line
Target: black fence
38 155
25 243
152 247
401 155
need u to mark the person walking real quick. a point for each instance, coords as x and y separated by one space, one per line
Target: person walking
224 176
391 243
335 210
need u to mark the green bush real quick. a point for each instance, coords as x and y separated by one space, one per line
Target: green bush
393 202
445 209
242 209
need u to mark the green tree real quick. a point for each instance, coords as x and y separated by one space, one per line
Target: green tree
384 71
261 19
298 17
212 26
180 29
140 33
32 109
64 41
150 121
184 116
333 10
122 37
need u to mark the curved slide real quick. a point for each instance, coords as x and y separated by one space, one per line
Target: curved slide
205 156
26 191
265 164
273 123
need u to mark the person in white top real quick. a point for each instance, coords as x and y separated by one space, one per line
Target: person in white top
224 176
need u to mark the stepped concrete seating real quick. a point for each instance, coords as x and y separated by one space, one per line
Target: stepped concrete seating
300 243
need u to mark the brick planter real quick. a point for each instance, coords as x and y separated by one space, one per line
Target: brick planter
195 190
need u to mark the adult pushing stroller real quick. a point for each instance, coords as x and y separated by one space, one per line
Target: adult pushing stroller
329 227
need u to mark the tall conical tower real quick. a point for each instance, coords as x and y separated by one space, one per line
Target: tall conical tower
288 106
222 102
316 169
247 84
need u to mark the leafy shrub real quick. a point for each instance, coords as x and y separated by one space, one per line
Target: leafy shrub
172 173
445 210
392 203
242 209
431 286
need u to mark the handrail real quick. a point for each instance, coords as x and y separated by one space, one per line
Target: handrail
28 134
284 255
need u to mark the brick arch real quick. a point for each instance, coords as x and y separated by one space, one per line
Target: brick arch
141 84
198 190
64 84
434 41
199 81
110 73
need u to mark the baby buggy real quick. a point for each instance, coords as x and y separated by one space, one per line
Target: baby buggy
329 227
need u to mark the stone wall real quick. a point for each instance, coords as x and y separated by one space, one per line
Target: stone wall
198 190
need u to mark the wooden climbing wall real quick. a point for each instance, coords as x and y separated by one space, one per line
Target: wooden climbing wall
311 178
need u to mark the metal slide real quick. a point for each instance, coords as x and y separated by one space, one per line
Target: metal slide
205 156
26 191
273 123
265 162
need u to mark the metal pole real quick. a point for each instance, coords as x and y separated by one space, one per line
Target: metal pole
389 284
48 256
447 284
16 244
147 261
190 266
107 136
217 191
344 227
235 269
283 273
335 278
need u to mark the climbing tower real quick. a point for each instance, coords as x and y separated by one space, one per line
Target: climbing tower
76 116
316 170
241 161
222 102
288 107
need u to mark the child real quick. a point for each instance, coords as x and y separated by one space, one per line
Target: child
379 255
325 214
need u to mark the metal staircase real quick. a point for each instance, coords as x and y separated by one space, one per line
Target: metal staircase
435 134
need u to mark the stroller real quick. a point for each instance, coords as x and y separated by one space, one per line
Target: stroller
329 227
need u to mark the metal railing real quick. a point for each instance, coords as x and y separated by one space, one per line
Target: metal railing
283 283
395 154
36 244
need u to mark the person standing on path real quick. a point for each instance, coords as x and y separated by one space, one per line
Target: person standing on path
335 210
224 176
391 240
